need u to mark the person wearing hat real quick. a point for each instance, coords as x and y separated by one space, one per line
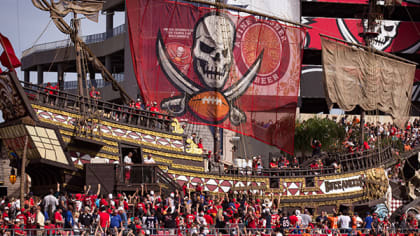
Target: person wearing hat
154 107
18 227
139 105
123 216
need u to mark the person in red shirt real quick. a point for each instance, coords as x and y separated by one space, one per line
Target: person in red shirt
104 219
22 218
138 104
275 218
154 107
58 218
18 228
49 228
252 219
200 143
190 219
293 220
94 93
50 89
208 218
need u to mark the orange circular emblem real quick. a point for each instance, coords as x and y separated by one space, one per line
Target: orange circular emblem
254 36
259 37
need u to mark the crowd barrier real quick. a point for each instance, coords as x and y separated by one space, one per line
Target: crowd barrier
233 230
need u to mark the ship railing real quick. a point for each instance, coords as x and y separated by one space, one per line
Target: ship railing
234 229
348 163
241 229
97 108
97 83
144 174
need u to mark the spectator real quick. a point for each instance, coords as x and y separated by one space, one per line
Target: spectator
316 147
115 221
149 159
368 222
50 201
94 94
127 167
344 222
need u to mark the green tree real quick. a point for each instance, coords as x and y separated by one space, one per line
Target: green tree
328 132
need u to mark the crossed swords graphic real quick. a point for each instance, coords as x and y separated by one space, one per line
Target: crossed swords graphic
177 105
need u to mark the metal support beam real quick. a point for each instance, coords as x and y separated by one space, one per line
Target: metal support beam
27 77
109 24
60 76
40 73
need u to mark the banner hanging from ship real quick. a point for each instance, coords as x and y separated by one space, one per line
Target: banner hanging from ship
216 67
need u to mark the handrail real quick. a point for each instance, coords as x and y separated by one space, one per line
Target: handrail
128 115
107 110
354 163
93 38
144 174
211 230
100 83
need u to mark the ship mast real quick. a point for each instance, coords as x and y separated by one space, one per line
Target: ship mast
80 76
82 50
368 35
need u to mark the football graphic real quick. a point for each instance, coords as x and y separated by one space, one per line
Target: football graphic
210 106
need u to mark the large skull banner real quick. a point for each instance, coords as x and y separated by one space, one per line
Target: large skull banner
216 68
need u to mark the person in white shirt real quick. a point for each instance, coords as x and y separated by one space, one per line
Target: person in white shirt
344 221
50 200
128 162
149 160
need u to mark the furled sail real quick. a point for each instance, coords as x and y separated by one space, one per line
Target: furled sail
89 8
356 76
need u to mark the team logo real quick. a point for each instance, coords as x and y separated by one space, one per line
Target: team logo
212 55
270 36
386 29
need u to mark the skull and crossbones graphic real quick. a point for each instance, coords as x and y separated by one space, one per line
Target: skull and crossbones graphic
212 53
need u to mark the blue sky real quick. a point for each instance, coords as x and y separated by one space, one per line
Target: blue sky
23 23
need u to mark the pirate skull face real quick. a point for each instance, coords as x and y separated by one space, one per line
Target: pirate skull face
387 30
214 36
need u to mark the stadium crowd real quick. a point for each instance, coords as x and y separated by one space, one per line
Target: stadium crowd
375 132
186 212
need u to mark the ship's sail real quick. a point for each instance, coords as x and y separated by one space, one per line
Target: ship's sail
89 9
214 67
357 76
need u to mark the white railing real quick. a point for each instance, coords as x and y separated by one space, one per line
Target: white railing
100 83
88 39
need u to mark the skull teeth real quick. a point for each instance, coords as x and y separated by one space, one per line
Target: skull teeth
211 100
212 72
379 41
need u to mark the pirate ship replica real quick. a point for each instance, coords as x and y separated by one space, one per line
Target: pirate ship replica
76 140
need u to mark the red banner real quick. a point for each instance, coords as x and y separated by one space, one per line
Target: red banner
8 58
394 36
215 68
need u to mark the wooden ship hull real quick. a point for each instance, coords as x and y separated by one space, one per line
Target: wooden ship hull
62 150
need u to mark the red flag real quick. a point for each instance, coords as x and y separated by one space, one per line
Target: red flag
8 58
216 68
